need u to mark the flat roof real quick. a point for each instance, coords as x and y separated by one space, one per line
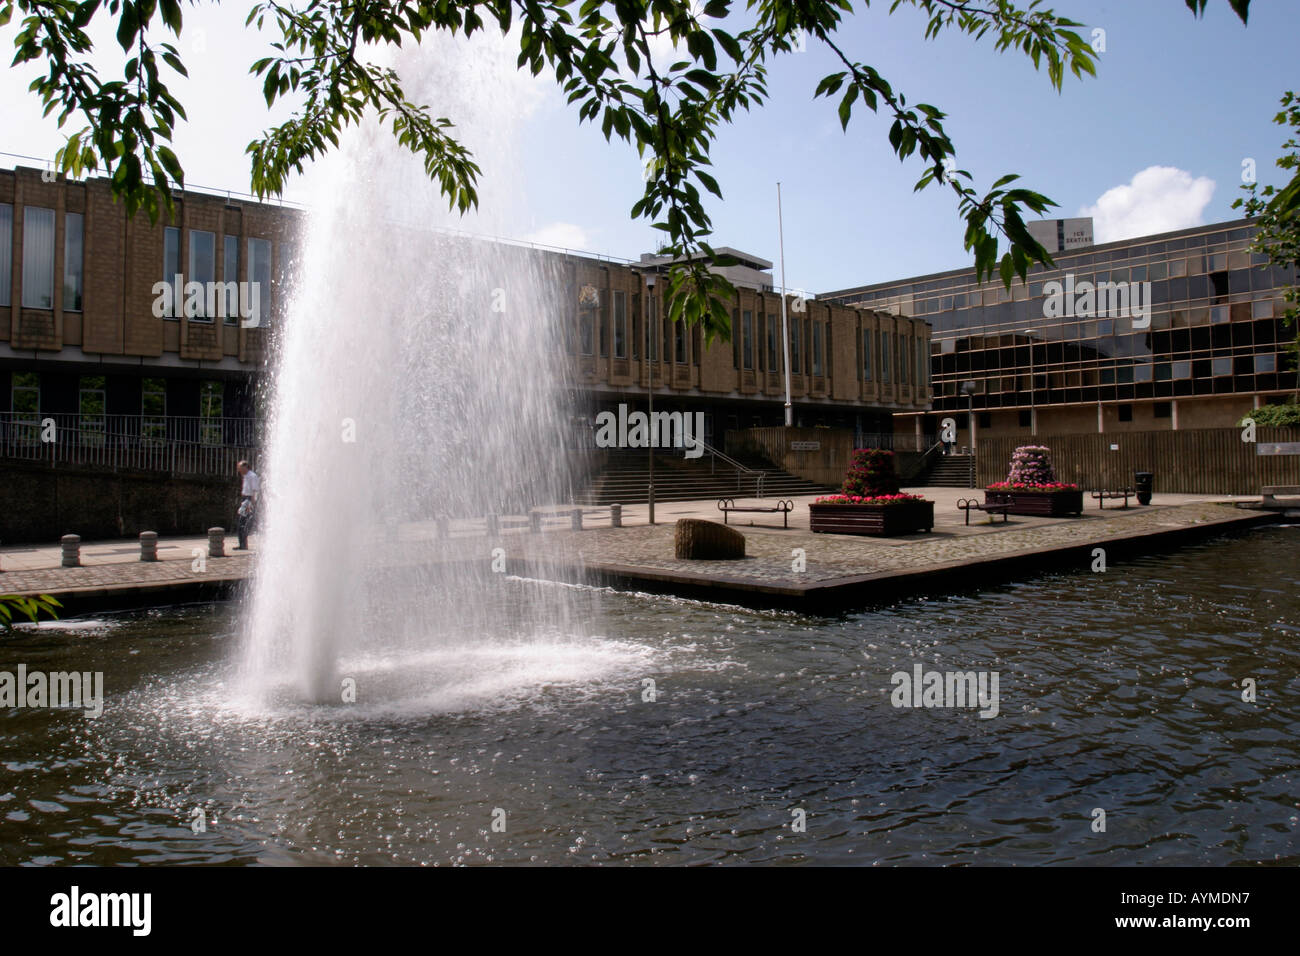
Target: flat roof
1087 250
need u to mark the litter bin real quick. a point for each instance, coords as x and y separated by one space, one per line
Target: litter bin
1142 482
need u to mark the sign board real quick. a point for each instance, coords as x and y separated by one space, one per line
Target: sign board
1278 448
1114 447
805 446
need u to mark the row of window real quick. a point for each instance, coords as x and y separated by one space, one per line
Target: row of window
25 398
38 258
227 303
38 268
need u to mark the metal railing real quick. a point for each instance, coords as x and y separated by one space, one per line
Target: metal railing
743 471
178 445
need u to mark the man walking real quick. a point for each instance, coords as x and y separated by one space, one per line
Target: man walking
248 493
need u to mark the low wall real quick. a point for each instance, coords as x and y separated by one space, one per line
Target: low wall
826 464
40 503
1208 461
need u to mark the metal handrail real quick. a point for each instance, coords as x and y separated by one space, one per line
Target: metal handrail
741 469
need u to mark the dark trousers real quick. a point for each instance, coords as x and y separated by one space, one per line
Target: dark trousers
243 525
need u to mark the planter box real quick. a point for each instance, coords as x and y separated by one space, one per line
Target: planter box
1043 504
884 520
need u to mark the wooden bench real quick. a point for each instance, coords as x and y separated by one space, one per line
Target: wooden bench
1269 492
783 508
974 504
1102 495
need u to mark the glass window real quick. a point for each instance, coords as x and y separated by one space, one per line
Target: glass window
1177 267
229 274
795 358
817 348
38 258
6 253
620 325
866 354
587 329
210 412
171 268
884 357
91 420
771 342
747 348
679 337
1266 363
1222 366
259 276
1261 309
153 410
203 270
72 261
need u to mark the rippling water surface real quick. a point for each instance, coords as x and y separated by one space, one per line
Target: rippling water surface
1120 691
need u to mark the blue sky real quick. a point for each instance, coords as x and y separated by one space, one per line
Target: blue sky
1156 141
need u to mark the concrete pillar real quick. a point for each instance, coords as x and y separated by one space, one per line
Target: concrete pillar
216 542
534 521
576 517
1101 419
148 545
1173 414
71 550
443 529
493 526
1258 403
616 516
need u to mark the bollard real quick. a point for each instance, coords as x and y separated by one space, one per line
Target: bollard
534 521
443 531
71 550
216 542
148 545
576 516
616 516
492 526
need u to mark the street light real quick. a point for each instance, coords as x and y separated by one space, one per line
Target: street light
968 389
650 383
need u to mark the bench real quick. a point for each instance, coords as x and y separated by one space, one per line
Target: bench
974 504
783 508
1102 495
1270 492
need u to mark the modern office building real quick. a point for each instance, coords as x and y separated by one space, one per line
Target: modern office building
1172 331
83 338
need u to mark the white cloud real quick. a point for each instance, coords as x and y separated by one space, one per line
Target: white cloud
565 235
1157 199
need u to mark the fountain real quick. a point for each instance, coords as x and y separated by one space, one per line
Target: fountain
417 375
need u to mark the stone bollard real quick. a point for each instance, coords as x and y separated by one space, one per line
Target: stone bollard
493 527
148 545
71 550
576 516
534 521
443 530
616 516
216 542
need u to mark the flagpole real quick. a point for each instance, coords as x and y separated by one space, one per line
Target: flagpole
785 329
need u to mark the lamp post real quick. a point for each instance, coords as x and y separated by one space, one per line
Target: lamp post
1033 418
650 387
968 389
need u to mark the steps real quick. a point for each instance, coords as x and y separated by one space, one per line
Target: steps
948 471
625 478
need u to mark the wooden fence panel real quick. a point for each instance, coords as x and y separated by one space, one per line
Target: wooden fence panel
1200 461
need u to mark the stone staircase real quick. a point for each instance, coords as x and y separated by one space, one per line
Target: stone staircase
625 476
948 471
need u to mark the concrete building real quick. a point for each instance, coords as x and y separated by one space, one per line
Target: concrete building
83 339
1172 331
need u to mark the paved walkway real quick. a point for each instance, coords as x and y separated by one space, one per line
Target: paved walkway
779 561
